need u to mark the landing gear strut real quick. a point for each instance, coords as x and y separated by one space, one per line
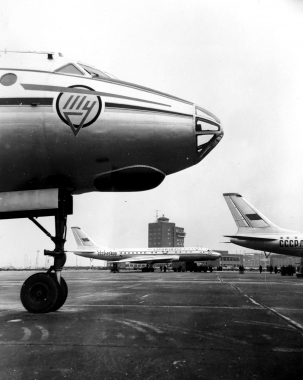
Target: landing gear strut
267 254
46 292
148 268
299 274
115 268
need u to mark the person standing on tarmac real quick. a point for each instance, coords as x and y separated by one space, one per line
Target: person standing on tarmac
260 268
276 269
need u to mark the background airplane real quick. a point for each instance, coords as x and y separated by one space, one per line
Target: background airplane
255 231
69 128
87 248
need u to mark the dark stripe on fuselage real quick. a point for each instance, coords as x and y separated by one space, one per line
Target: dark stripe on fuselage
127 107
111 106
26 101
76 90
109 80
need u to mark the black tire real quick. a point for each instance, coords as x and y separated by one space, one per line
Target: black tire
63 292
39 293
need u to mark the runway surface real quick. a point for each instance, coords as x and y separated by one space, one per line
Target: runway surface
134 325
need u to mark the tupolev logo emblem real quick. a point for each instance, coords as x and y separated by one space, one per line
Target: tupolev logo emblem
78 110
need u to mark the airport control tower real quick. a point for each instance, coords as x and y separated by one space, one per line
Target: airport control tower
165 234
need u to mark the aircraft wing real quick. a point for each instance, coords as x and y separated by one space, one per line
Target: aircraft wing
77 251
148 259
249 237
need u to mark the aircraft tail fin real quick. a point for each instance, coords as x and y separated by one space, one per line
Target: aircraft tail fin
82 239
245 215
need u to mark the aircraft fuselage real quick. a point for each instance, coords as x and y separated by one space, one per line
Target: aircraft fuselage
288 245
88 133
169 255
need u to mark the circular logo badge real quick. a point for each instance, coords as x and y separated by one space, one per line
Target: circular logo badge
78 109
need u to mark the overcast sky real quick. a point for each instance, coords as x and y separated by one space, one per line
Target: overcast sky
240 59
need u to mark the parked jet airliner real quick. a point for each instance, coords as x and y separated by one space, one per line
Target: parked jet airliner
69 128
87 248
255 231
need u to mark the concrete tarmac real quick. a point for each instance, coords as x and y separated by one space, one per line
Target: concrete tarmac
134 325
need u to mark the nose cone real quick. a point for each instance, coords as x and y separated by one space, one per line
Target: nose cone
208 132
217 255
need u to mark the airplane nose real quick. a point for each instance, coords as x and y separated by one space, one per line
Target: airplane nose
208 132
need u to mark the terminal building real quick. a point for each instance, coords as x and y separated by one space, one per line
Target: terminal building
162 233
230 260
252 260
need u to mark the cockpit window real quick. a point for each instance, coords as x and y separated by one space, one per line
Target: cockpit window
208 134
69 69
95 73
110 75
205 125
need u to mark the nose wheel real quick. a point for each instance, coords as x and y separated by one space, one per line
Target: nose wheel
41 293
63 292
46 292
